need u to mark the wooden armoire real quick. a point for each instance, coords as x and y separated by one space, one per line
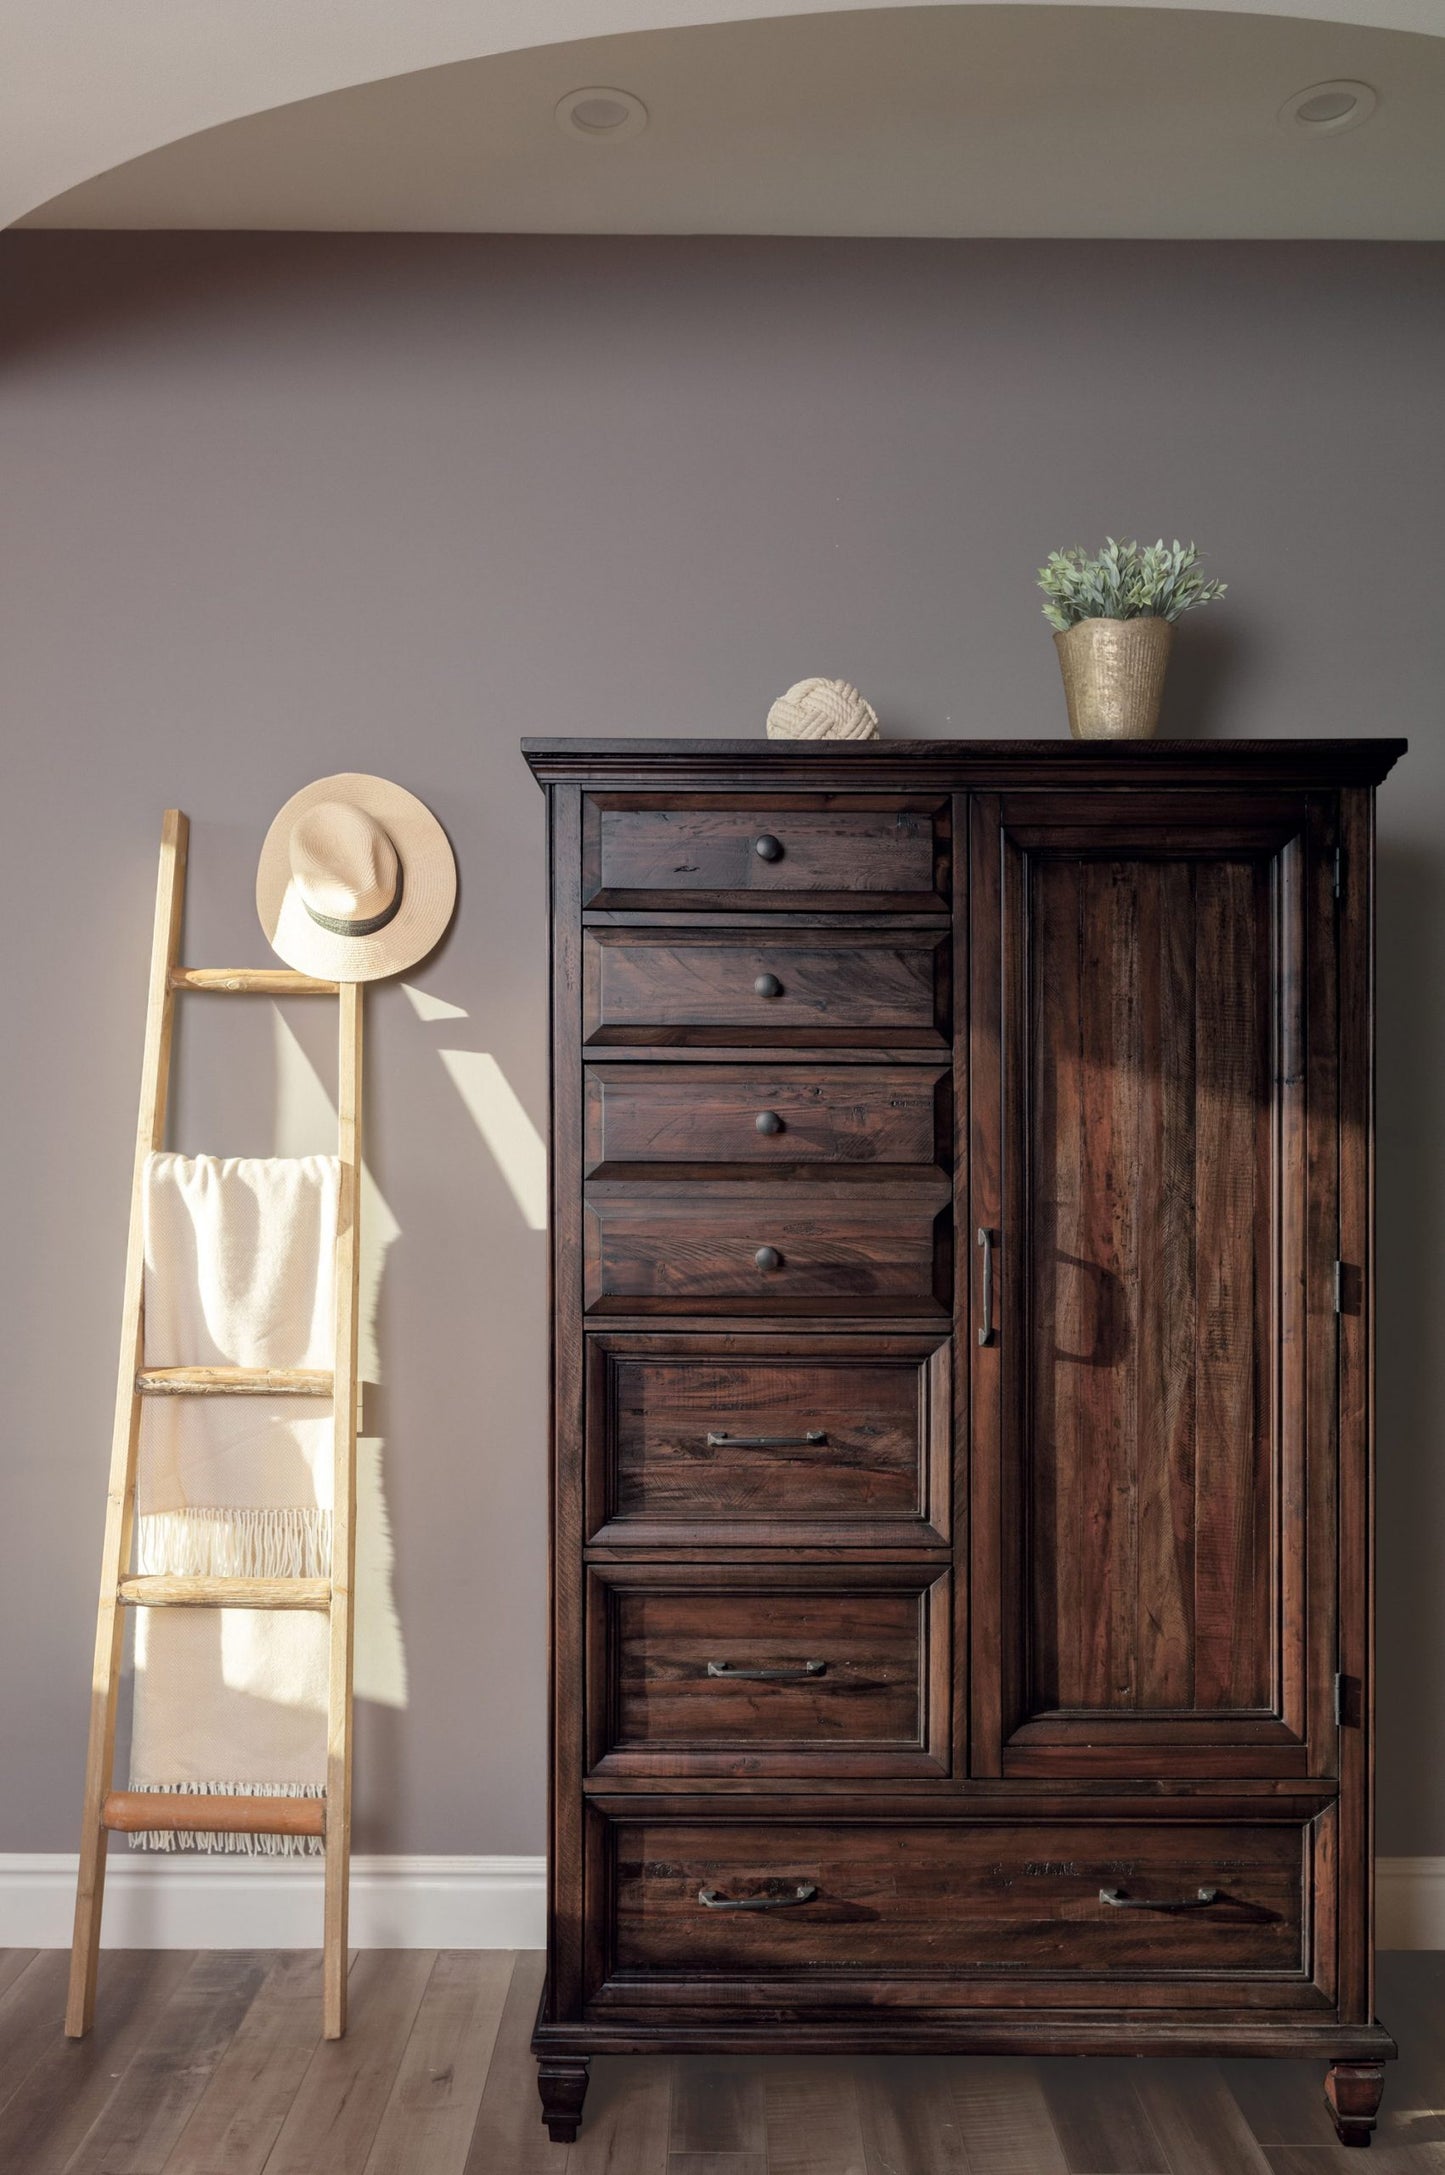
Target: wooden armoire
961 1475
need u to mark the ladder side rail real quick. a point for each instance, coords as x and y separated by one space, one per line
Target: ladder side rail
120 1501
343 1541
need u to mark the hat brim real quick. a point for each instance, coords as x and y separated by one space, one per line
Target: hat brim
428 885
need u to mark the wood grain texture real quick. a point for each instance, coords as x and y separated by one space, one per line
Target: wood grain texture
678 766
844 1251
1003 2119
777 1441
858 1117
251 2089
974 1902
718 2106
135 1812
1099 2119
1281 2102
1196 2119
910 2125
768 1670
338 2106
850 851
429 2118
345 1414
508 2133
983 2116
1152 1018
1151 1240
71 2083
30 2009
146 2115
629 2116
811 2117
125 1430
675 986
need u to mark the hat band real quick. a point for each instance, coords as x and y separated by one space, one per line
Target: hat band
334 927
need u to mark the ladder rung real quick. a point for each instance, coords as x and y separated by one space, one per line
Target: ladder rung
251 981
134 1812
166 1592
234 1382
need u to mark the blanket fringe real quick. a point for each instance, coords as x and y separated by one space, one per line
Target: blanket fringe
208 1840
235 1543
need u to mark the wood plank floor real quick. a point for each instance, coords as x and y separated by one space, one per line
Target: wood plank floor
212 2064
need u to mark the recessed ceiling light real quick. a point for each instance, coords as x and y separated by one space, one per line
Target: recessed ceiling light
601 115
1328 109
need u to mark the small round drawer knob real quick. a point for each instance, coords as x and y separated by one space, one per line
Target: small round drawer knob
768 848
768 985
768 1121
768 1257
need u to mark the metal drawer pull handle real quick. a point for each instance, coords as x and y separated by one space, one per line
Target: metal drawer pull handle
985 1327
767 1121
768 985
1121 1902
724 1441
712 1901
768 848
768 1257
768 1676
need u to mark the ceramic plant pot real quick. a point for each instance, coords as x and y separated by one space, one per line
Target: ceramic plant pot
1114 676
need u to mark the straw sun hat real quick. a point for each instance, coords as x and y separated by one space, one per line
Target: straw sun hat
356 880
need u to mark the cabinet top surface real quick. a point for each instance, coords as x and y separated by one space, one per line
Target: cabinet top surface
958 764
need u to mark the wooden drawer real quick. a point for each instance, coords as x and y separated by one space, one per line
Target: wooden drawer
776 1442
800 1670
1019 1910
818 987
766 1116
767 1249
810 849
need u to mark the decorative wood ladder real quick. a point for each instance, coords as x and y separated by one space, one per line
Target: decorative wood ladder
131 1811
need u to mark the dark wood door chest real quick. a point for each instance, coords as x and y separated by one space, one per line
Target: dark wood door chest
961 1475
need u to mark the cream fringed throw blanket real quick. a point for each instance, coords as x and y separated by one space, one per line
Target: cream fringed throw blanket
238 1272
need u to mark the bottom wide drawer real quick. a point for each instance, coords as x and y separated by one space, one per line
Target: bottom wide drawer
1061 1902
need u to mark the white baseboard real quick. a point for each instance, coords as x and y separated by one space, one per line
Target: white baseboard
190 1902
183 1901
1410 1902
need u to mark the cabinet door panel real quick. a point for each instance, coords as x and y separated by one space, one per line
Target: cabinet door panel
1144 1101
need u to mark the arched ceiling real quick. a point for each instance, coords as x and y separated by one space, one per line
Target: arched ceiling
89 84
994 120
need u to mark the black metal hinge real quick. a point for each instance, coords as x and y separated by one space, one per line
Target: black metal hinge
1339 1287
1339 880
1342 1687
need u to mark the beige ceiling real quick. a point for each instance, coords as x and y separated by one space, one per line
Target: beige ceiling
936 120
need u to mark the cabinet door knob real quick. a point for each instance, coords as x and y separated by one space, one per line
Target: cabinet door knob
768 1257
768 848
767 1121
768 985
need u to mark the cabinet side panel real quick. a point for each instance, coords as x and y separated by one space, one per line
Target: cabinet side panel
1357 1430
565 1877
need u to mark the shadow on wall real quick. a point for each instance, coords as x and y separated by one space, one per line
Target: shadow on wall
1410 1338
1212 656
305 1124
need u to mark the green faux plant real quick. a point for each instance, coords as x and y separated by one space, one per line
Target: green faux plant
1124 581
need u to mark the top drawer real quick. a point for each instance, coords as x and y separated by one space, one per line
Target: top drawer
830 850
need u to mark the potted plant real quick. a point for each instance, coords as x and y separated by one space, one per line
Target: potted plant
1114 612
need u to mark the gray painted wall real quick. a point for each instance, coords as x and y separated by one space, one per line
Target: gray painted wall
278 506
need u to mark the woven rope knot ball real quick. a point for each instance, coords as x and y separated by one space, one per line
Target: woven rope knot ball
822 710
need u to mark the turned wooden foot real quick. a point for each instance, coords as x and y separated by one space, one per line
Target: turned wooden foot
562 2083
1352 2094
